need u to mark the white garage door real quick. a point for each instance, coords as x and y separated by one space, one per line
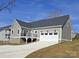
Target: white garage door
49 37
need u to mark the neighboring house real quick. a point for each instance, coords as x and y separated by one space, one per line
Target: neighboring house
53 29
5 33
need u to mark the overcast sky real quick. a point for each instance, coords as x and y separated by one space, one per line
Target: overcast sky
33 10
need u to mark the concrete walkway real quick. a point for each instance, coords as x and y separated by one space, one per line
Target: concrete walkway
20 51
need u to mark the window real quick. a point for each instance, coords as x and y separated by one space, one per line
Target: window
35 31
50 33
12 31
23 32
18 31
46 33
9 29
55 33
7 36
42 33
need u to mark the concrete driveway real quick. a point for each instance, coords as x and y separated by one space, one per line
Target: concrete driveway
20 51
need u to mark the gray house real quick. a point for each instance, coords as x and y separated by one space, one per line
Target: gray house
53 29
5 33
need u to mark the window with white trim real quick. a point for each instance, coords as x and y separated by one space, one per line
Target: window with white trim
35 31
50 33
42 33
55 33
18 31
46 33
12 31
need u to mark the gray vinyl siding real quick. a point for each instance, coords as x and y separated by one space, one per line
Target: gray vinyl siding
24 30
66 31
15 27
2 35
59 30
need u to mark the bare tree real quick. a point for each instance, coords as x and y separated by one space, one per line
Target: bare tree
6 4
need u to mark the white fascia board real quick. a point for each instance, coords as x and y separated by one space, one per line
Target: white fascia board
57 26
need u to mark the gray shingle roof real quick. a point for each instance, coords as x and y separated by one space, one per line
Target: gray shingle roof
22 23
42 23
46 22
5 27
50 22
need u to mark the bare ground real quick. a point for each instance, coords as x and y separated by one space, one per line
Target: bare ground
3 42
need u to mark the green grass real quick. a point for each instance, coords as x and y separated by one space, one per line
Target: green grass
62 50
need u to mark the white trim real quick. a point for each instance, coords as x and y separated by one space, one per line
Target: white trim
58 26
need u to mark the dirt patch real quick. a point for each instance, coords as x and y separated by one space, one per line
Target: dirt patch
4 42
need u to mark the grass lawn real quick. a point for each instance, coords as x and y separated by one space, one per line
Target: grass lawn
61 50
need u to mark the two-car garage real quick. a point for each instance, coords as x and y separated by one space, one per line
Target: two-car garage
49 36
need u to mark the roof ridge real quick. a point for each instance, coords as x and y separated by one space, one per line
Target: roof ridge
5 27
21 21
50 18
60 20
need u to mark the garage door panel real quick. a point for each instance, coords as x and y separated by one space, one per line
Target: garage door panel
53 38
49 35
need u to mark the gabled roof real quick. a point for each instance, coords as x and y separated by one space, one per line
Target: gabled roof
22 23
50 22
46 22
5 27
42 23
